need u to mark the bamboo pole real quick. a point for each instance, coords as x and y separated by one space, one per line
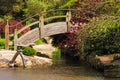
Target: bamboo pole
7 36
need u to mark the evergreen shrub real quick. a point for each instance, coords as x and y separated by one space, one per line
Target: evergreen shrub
40 41
2 43
101 36
29 51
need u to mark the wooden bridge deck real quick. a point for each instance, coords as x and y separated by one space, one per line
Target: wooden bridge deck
48 30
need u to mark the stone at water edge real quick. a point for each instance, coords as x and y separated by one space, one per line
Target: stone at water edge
6 56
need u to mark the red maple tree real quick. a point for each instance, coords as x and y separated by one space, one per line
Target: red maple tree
12 27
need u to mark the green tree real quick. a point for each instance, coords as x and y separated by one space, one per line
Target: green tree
11 8
110 7
101 36
39 6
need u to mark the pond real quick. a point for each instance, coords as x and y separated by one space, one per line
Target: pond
62 70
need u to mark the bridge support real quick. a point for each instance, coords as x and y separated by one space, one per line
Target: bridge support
7 36
41 25
15 39
68 18
19 52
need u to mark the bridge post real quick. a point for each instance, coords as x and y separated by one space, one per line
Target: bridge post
68 18
7 36
15 39
41 25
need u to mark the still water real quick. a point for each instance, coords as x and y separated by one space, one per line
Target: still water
62 70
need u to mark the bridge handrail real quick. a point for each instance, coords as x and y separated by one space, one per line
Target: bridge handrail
54 17
36 22
22 29
24 20
25 27
52 10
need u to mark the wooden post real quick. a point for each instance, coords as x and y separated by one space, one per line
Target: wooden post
68 18
41 25
7 36
15 39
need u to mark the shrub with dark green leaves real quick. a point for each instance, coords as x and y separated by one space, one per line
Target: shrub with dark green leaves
110 7
29 51
2 43
101 36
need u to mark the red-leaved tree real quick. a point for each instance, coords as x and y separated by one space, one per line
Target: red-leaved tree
12 27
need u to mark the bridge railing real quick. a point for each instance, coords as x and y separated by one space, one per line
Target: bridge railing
41 22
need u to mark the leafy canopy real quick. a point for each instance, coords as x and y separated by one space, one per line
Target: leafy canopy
39 6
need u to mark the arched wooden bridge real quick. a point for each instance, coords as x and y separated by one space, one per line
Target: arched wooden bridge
48 30
43 30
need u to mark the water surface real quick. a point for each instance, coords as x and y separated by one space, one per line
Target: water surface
63 70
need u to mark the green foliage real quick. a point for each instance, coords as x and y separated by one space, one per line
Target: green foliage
2 43
101 36
8 6
29 51
1 19
38 6
56 55
109 7
8 17
68 4
40 41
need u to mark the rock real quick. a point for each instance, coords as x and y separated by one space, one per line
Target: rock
42 55
34 61
45 48
11 64
29 64
40 62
